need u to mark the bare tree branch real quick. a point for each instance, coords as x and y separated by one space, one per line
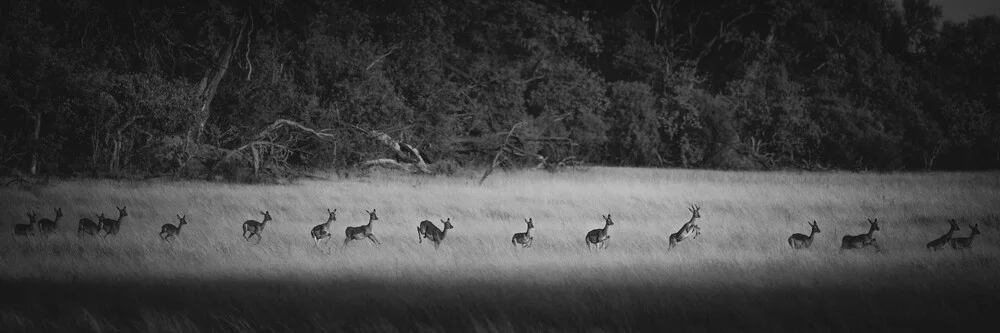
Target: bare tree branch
391 49
500 151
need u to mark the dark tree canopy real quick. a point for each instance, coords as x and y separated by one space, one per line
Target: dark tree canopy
240 88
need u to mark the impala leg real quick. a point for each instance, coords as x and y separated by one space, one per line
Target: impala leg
373 239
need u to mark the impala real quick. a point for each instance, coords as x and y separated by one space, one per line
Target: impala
169 230
322 231
88 226
689 229
422 229
362 232
940 242
434 234
523 238
800 241
600 237
110 226
962 243
21 229
253 227
862 240
47 226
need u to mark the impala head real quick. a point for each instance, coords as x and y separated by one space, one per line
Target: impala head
182 219
975 229
874 224
121 211
954 225
528 221
58 212
815 227
447 224
332 213
607 220
695 211
267 215
100 217
32 216
371 215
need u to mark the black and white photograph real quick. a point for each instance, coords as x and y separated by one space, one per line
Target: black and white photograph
488 166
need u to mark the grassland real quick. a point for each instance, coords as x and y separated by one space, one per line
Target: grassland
739 275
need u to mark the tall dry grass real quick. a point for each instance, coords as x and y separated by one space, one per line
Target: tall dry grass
741 267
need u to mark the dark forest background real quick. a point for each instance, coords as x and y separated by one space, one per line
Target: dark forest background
243 89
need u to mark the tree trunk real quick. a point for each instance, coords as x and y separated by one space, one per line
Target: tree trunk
210 82
34 144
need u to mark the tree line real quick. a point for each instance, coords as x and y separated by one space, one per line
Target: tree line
246 89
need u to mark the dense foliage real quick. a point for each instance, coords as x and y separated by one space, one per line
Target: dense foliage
116 87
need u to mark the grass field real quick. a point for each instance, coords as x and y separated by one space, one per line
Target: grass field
739 275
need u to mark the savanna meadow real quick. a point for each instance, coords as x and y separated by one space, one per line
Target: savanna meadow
740 273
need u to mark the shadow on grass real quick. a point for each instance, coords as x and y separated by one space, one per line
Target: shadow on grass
292 304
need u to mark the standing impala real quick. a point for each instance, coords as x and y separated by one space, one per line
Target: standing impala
850 242
962 243
600 237
362 232
689 229
26 229
88 226
800 241
111 226
431 232
47 226
322 231
940 242
255 228
169 230
523 238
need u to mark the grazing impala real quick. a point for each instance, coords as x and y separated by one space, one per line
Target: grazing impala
689 229
21 229
800 241
255 228
110 226
362 232
322 231
600 237
962 243
431 232
88 226
937 244
169 230
863 240
47 226
523 238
